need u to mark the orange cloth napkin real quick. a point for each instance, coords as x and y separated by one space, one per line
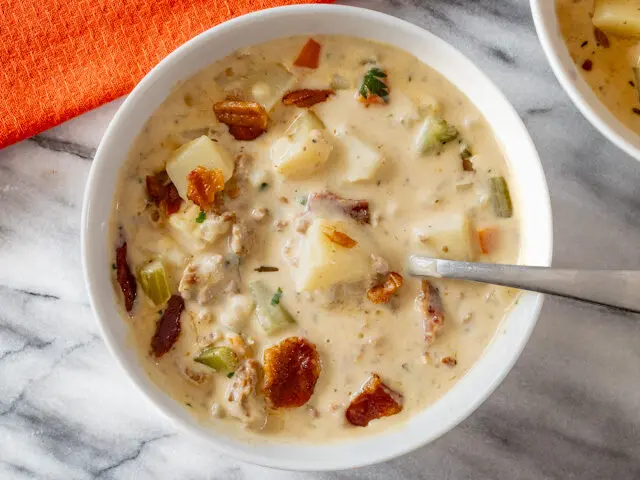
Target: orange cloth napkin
60 58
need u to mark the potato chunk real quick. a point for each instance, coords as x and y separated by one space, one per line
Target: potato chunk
361 159
448 235
618 17
304 149
201 152
324 263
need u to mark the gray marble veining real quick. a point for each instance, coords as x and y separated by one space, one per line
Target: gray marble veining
569 409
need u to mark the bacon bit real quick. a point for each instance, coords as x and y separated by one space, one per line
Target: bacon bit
168 327
173 200
241 113
245 134
309 55
231 188
163 192
432 310
125 278
375 400
246 120
489 239
292 368
202 186
356 209
382 293
449 361
601 38
339 238
306 98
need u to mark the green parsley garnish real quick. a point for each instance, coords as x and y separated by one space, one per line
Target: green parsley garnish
302 199
264 186
201 217
373 84
275 300
230 374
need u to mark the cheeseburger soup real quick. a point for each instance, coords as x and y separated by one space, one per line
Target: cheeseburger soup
603 38
261 229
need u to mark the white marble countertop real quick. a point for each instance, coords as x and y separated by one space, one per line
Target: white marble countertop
569 409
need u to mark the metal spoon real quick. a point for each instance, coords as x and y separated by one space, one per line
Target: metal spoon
616 288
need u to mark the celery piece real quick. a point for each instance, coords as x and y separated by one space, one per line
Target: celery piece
154 282
221 359
434 133
271 317
501 198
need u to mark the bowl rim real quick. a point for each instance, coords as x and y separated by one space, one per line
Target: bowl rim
574 85
99 303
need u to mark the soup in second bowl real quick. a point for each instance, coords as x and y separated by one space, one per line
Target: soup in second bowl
603 38
261 229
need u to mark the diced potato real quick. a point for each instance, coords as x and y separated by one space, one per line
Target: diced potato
304 150
324 263
201 152
265 84
185 229
448 235
361 159
618 17
403 110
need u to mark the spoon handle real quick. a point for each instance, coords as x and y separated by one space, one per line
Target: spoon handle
617 288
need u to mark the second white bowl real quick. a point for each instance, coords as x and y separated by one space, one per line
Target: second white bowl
553 44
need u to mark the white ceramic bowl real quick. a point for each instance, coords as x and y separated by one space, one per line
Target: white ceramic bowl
527 182
546 22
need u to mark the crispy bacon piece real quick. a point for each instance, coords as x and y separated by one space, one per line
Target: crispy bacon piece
309 55
168 327
375 400
202 186
125 278
245 134
488 239
432 310
306 97
356 209
449 361
292 368
238 113
339 238
163 192
382 293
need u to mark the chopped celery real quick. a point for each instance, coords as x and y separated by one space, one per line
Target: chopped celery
154 282
500 197
271 316
434 133
221 359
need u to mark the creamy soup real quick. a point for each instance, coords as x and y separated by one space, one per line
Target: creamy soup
608 53
262 225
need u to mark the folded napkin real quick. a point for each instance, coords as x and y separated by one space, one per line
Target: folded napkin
60 58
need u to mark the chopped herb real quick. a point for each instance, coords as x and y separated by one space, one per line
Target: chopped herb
113 266
632 84
374 84
264 186
188 405
266 268
230 374
301 199
275 300
201 217
584 44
